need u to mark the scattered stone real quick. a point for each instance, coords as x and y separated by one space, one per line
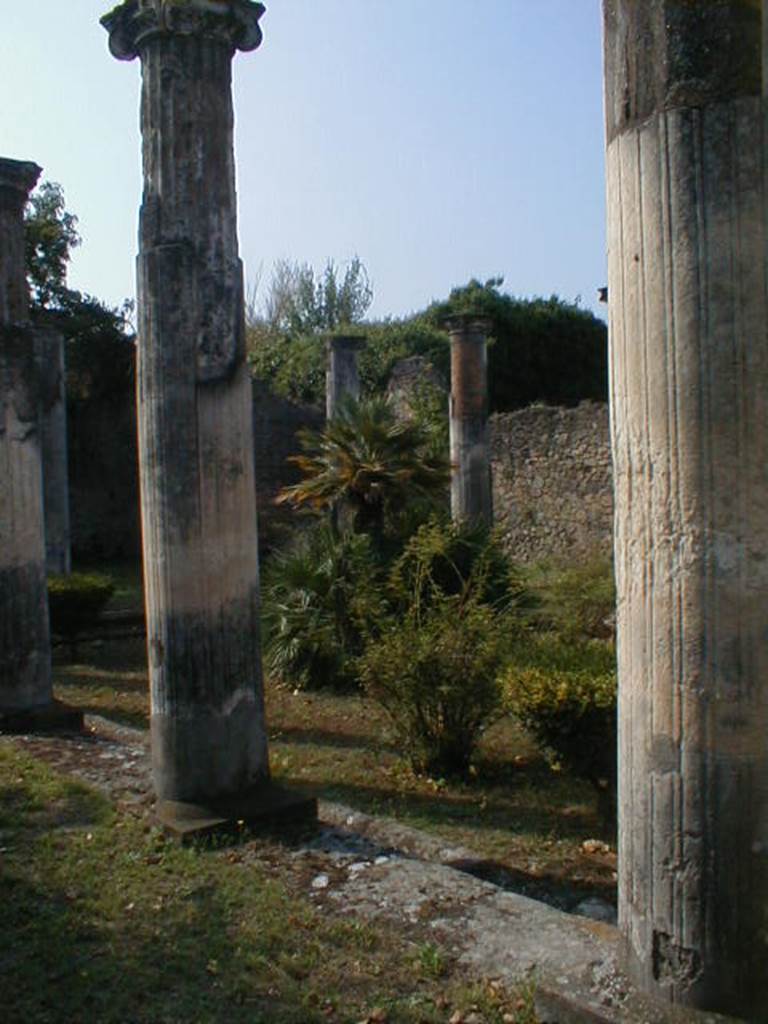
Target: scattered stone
320 882
592 846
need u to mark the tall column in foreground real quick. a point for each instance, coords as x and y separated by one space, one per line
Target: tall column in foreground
342 376
689 407
209 748
471 494
25 648
26 695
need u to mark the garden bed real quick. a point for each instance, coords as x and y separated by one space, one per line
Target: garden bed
532 828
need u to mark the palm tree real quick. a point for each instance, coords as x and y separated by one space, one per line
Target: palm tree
369 464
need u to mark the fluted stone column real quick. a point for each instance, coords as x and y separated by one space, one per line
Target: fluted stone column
342 376
689 407
471 494
209 746
53 436
25 649
26 696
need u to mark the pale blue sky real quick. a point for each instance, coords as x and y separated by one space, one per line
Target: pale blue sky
436 139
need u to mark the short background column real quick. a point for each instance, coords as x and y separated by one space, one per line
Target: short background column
342 377
471 492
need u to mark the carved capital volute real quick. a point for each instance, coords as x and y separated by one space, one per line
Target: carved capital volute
134 22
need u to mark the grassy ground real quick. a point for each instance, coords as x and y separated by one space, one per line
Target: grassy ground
516 812
105 922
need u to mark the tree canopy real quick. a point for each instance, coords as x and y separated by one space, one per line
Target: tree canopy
50 236
99 360
541 349
301 302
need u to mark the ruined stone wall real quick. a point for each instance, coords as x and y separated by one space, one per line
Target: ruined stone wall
104 496
552 487
276 421
103 478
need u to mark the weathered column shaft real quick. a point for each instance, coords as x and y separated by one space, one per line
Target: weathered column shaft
53 434
471 492
342 377
194 397
689 407
25 652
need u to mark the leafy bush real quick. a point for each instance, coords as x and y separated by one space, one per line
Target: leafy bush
576 601
435 674
75 602
564 693
542 349
445 558
293 367
294 364
320 597
389 341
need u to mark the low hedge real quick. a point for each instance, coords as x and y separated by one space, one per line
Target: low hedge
564 694
75 602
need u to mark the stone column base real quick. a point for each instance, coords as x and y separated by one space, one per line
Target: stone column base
53 717
263 806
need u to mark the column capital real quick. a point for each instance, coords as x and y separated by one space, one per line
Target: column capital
468 324
345 342
134 22
19 175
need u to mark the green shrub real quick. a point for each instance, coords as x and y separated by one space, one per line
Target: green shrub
577 601
389 341
544 350
321 596
564 693
75 602
294 364
445 558
435 674
294 367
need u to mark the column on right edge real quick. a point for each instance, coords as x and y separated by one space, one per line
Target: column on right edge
689 418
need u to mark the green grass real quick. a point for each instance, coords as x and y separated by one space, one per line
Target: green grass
515 811
103 920
106 678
